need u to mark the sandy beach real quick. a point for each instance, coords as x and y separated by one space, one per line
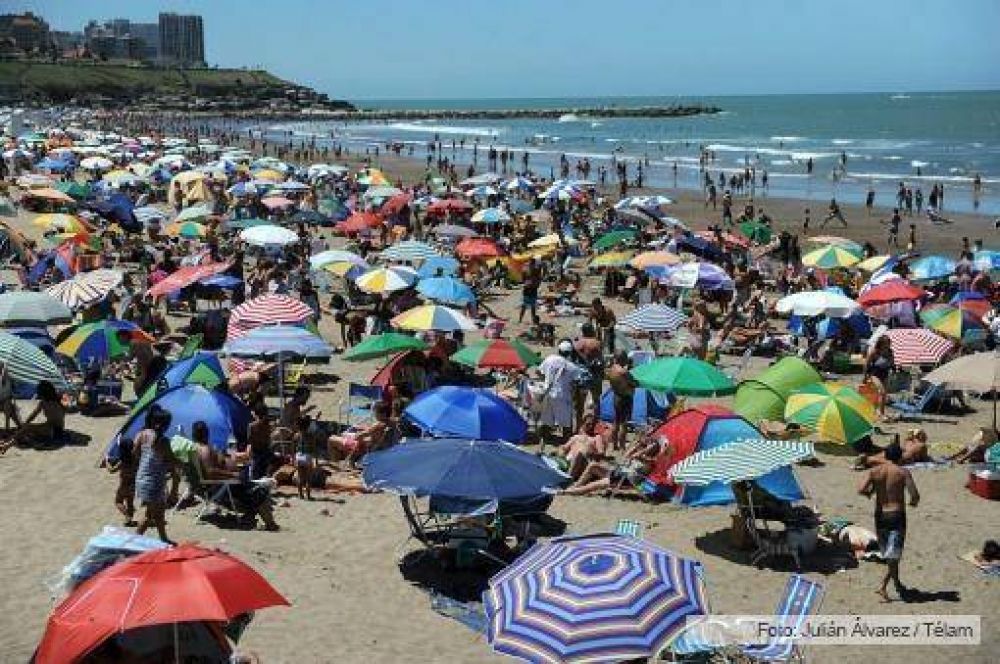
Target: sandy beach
336 558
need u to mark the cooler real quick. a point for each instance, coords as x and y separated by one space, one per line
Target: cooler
985 483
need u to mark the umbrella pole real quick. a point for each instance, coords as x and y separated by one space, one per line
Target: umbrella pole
177 646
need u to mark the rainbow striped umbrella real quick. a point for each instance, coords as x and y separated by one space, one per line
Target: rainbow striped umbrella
433 317
98 342
836 412
497 354
595 598
963 326
830 257
188 229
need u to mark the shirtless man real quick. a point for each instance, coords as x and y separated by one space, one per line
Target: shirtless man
604 319
623 387
888 482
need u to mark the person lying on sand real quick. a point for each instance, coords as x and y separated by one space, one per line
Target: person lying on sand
52 430
633 469
583 447
914 450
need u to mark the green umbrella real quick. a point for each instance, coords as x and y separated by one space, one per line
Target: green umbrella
74 189
609 240
27 363
836 412
241 224
683 375
497 354
388 343
756 231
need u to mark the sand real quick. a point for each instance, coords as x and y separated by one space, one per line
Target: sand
336 557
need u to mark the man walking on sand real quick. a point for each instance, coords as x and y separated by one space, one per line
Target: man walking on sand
888 482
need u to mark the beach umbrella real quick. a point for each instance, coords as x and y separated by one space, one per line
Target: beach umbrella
654 318
952 322
470 412
835 412
439 266
447 206
831 257
279 343
147 215
817 303
381 192
433 317
409 250
268 175
188 229
185 276
372 177
26 363
851 245
267 310
480 473
183 584
120 177
277 202
359 222
873 264
755 230
706 276
478 247
74 189
387 279
611 259
193 213
739 461
396 204
683 375
482 191
96 163
972 301
86 288
98 342
520 206
914 346
497 354
453 230
643 202
654 259
932 268
519 183
31 309
381 345
335 256
978 372
446 289
202 368
592 598
491 216
268 236
242 224
613 238
892 290
62 223
49 194
310 217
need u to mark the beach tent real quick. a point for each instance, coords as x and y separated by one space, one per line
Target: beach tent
702 428
764 397
200 369
192 182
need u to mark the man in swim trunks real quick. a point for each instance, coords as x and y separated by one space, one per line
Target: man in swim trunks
889 482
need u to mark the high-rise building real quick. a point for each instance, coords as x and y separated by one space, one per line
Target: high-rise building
149 33
182 39
27 31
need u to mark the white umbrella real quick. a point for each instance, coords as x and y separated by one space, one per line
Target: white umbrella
268 235
387 279
335 256
979 372
96 163
818 303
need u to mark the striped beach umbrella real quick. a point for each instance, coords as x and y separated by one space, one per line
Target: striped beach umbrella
86 288
62 223
654 318
386 279
491 216
612 259
31 309
279 342
834 411
683 375
267 310
433 317
98 342
952 322
830 257
846 243
381 345
739 461
188 229
409 250
497 354
914 346
595 598
27 363
654 259
333 256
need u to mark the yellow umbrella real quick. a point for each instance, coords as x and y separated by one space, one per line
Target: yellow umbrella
612 259
655 258
187 180
269 175
830 257
62 223
873 263
836 412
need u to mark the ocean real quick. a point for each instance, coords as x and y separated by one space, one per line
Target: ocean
921 139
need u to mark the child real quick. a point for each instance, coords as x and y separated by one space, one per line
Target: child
125 495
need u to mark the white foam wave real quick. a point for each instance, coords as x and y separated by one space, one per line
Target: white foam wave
842 141
916 163
444 129
796 155
787 139
900 96
569 117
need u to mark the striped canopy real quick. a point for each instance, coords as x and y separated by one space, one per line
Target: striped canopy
409 250
387 279
739 460
279 342
433 317
267 310
596 598
27 363
916 346
654 318
28 308
836 412
86 288
612 259
831 256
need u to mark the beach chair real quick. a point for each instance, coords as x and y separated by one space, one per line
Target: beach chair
357 407
294 377
800 599
628 528
214 494
915 408
769 544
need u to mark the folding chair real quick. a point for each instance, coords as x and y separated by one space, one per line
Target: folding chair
915 408
293 377
800 599
359 403
214 493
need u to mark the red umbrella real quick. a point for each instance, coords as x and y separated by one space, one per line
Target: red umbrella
478 247
385 376
916 346
396 203
894 290
186 276
184 584
359 222
449 205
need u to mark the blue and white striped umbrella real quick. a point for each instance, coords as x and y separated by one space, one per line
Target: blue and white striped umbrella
654 318
279 342
491 216
643 202
482 191
27 363
739 460
410 250
519 183
596 598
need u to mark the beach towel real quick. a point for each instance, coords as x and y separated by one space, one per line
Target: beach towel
933 464
470 614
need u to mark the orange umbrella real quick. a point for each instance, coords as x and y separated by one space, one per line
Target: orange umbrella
478 247
359 222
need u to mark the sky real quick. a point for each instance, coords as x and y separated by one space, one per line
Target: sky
447 49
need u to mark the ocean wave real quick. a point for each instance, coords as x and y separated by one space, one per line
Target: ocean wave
796 155
787 139
781 162
445 129
916 163
842 141
900 96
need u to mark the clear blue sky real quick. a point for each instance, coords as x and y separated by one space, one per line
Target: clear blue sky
553 48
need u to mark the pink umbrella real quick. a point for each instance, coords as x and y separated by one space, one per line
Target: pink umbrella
277 202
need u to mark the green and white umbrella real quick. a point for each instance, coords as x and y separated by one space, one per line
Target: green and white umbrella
739 460
27 363
31 309
409 250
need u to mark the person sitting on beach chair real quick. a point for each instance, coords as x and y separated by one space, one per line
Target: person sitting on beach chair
975 451
355 444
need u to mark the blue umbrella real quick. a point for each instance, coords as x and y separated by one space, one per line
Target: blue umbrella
279 342
477 471
226 416
930 268
446 289
225 281
55 165
438 266
596 598
467 411
521 206
646 405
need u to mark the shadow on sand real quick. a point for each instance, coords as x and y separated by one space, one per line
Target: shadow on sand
826 559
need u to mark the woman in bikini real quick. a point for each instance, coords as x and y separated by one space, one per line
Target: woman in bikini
354 445
43 434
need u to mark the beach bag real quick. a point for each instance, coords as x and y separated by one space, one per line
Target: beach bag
869 391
